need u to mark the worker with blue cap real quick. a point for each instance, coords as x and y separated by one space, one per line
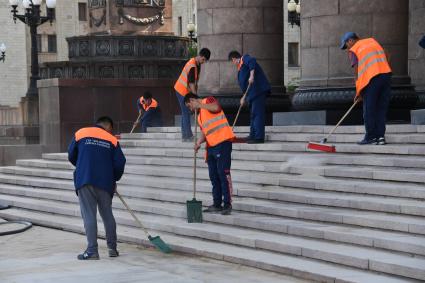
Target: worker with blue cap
373 84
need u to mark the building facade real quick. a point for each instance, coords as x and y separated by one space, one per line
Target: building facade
71 19
184 12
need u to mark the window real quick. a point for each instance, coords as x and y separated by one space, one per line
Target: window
82 12
39 43
51 12
51 44
293 54
180 27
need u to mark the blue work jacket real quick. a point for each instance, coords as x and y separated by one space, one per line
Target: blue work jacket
98 159
261 85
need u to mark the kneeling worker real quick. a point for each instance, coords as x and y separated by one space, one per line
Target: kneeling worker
218 136
150 109
99 163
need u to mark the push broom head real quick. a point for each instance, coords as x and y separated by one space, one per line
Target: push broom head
321 147
160 244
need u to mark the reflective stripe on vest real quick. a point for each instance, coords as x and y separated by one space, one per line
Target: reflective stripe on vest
240 64
97 133
182 84
214 126
154 104
372 61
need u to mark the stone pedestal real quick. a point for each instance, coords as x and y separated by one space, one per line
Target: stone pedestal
327 78
62 112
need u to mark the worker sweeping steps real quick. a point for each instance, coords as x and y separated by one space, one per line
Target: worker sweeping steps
373 87
100 163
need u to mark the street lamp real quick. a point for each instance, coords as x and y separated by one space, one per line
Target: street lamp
33 19
3 51
294 12
191 31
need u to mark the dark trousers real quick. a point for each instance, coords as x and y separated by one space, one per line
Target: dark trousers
219 160
258 112
376 99
151 118
90 199
185 121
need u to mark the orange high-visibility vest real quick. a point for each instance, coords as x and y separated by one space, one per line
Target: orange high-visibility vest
372 61
182 84
214 126
154 104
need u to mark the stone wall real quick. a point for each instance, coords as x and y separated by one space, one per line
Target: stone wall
416 53
291 34
249 26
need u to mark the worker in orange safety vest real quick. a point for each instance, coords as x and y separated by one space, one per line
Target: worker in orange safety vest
188 83
149 112
218 136
373 84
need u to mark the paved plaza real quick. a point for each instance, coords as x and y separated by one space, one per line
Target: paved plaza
48 255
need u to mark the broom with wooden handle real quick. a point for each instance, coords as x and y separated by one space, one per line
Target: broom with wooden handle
330 148
156 241
240 107
136 122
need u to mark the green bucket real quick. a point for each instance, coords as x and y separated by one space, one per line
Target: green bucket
194 211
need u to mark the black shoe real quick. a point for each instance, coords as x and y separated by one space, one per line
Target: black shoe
227 210
213 208
255 141
381 141
364 141
113 253
88 256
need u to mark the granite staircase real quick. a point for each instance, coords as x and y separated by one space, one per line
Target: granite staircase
354 216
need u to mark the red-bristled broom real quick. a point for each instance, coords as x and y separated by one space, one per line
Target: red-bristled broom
325 147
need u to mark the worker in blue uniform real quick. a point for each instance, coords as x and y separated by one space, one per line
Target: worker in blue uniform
251 74
99 164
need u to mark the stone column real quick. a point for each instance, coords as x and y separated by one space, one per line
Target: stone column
249 26
416 53
326 76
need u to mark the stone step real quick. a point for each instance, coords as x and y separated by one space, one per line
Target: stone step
393 138
381 173
379 220
336 199
309 178
402 242
389 149
349 255
326 198
286 264
292 158
399 128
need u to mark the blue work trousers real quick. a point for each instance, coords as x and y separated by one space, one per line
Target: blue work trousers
185 120
91 199
376 100
150 118
258 113
219 160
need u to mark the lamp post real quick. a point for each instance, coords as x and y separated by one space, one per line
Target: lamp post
191 31
33 19
3 51
294 12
